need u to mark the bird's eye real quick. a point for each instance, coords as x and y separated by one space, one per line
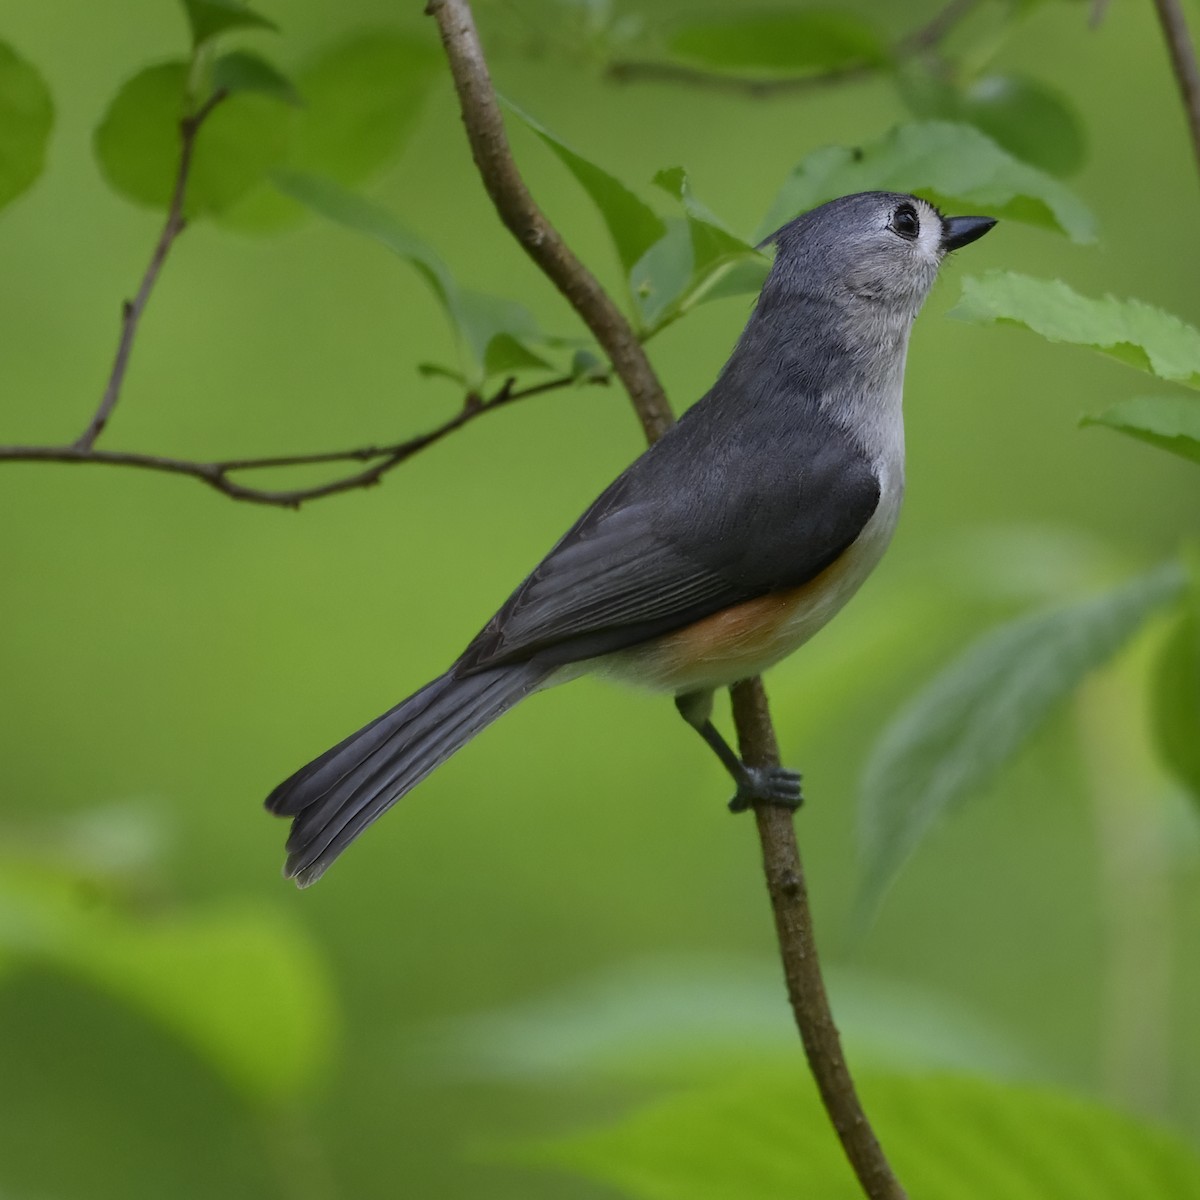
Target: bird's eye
905 222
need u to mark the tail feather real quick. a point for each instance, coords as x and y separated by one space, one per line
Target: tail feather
336 796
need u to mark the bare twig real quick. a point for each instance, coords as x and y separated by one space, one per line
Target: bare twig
528 224
920 41
781 858
802 968
217 474
131 312
1183 63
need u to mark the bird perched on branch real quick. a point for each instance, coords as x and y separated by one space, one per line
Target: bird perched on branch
720 550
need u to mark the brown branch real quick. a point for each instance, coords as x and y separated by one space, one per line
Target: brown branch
1183 63
131 310
920 41
802 968
781 857
216 474
528 224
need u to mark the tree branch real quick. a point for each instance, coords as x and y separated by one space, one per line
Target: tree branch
131 312
1183 63
781 858
216 474
921 40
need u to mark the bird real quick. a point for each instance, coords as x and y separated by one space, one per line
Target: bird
720 550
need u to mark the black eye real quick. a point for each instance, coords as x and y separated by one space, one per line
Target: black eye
905 223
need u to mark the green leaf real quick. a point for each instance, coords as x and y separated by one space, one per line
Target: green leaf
241 71
781 42
362 99
949 1137
1169 422
952 738
26 117
1129 330
497 334
208 18
243 986
138 142
1175 694
633 226
952 165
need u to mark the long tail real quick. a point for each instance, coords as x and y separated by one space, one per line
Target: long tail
335 797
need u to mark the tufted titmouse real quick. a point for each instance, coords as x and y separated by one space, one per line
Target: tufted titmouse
720 550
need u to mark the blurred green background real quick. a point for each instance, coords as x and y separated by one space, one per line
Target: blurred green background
564 919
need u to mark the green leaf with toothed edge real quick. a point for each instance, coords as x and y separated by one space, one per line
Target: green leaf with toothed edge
632 224
976 714
1135 333
953 165
499 336
241 71
1171 423
26 118
948 1136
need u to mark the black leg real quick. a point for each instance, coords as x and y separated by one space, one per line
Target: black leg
755 785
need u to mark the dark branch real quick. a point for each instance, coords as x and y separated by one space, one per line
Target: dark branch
218 474
131 311
529 225
1183 63
920 41
781 858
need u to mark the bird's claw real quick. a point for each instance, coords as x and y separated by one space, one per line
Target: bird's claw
776 786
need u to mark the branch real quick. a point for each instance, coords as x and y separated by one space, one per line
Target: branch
781 858
1183 63
920 41
216 474
131 312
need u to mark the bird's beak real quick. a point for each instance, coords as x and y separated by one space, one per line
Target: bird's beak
958 232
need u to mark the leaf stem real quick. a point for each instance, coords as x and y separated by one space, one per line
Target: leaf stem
1183 62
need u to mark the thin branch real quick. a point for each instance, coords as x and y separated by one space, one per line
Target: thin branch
781 858
920 41
1183 63
131 311
528 224
217 474
802 968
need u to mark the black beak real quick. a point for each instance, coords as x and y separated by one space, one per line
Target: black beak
958 232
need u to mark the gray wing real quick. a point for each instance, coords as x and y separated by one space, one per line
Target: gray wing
716 513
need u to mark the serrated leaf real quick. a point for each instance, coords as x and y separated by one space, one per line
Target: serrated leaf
952 165
1175 697
242 986
26 118
781 42
976 714
632 224
242 71
362 98
949 1137
669 279
1170 422
138 142
208 18
1132 331
498 335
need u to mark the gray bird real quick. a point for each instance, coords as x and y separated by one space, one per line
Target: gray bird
720 550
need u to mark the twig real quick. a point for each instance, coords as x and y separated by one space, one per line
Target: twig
781 858
528 224
802 968
217 473
920 41
1183 62
131 312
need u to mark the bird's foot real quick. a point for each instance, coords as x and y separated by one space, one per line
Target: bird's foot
776 786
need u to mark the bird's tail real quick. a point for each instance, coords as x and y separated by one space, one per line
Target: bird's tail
335 797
